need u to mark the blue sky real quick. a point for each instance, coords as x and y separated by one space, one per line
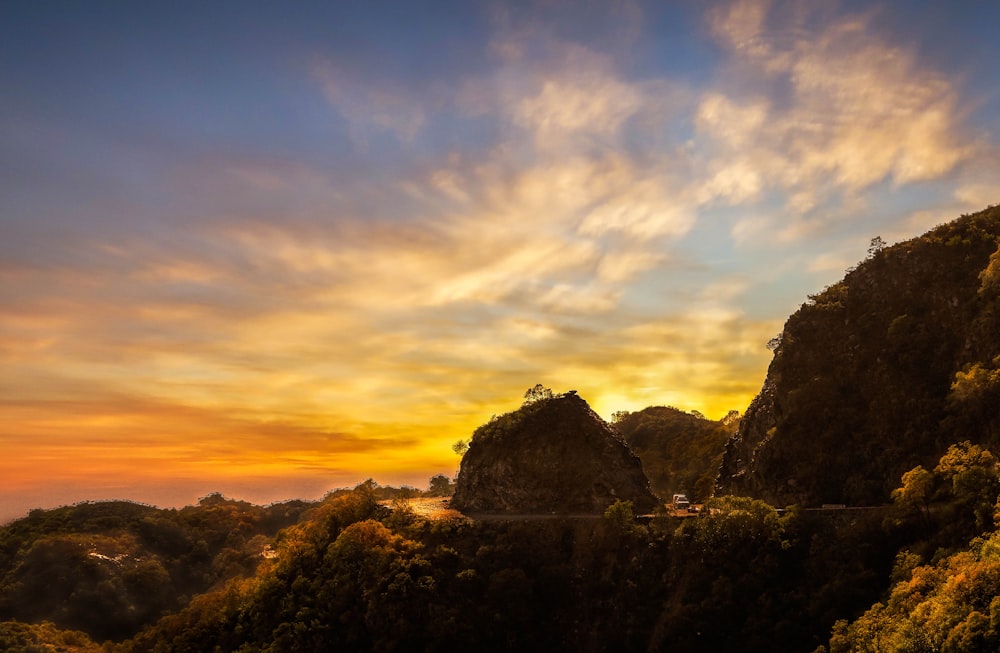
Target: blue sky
270 248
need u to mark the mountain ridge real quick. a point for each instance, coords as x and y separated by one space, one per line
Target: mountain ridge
862 385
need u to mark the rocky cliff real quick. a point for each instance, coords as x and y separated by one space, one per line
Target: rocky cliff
553 455
879 373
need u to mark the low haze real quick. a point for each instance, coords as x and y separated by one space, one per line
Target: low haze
271 250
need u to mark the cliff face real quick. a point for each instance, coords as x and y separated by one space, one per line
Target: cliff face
555 455
879 373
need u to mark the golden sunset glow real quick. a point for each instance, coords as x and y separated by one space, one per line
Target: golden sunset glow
295 265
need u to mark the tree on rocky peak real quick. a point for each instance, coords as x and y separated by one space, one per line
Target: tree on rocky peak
875 246
537 393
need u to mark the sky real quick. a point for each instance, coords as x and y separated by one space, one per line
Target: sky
271 249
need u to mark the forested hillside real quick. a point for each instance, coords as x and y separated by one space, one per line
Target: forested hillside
356 576
110 568
680 451
944 590
878 373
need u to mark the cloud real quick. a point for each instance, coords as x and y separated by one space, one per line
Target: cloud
856 110
703 358
525 267
584 97
101 427
621 267
835 261
741 24
734 124
575 299
369 108
643 210
977 195
752 228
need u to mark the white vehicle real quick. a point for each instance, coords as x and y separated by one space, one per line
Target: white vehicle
681 502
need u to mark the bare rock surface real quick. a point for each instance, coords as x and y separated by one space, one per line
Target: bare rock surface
554 455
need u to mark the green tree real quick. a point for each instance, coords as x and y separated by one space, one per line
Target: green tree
916 490
460 447
537 393
990 276
972 472
441 486
18 637
731 523
875 246
975 384
963 463
621 516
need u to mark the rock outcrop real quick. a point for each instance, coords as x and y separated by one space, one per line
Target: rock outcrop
554 455
879 373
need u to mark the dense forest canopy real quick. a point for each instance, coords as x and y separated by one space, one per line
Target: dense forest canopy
354 574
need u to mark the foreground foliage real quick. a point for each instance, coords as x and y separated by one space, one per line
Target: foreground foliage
356 576
110 568
18 637
353 574
952 606
946 595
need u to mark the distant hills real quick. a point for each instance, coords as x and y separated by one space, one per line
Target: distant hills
878 373
109 568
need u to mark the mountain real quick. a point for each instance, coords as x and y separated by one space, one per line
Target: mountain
878 373
553 455
680 451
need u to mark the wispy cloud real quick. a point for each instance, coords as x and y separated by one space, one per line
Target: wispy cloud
565 210
370 108
854 110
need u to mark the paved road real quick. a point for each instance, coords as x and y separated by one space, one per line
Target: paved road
438 508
